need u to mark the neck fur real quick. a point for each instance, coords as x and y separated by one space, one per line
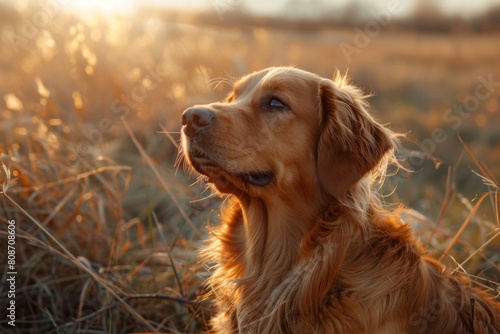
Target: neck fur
281 243
269 252
274 232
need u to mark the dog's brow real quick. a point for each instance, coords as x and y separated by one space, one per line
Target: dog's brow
237 90
247 84
229 97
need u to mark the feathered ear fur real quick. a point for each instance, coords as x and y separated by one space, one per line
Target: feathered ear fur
351 142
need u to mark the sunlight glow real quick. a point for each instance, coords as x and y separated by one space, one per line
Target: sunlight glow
106 7
113 7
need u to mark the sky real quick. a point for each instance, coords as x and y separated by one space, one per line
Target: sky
274 7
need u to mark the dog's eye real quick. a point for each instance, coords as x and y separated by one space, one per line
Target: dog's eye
277 104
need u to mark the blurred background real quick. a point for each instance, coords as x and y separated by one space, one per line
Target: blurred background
91 95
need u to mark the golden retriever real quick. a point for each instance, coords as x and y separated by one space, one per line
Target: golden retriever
304 245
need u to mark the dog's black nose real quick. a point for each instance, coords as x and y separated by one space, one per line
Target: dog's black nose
195 119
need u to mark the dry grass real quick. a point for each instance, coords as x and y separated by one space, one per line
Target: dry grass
107 230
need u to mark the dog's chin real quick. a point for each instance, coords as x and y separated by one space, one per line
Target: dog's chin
225 183
237 184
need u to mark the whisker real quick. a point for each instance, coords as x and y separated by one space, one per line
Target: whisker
204 198
178 160
217 81
169 136
168 132
226 198
229 80
199 179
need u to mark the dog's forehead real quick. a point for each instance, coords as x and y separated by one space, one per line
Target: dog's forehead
270 77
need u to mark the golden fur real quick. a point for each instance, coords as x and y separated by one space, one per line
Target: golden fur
304 245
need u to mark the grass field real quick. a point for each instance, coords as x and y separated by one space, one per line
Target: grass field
107 228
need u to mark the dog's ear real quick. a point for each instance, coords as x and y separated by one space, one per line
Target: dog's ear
351 142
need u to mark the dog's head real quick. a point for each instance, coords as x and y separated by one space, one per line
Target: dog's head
287 129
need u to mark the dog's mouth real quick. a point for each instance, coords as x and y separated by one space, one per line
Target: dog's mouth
225 180
257 179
